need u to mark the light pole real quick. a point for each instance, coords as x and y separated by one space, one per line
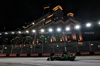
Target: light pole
34 31
42 36
11 48
3 48
65 49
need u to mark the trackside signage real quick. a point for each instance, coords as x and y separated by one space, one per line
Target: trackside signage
58 53
3 55
46 54
12 55
70 53
23 54
85 53
96 52
34 54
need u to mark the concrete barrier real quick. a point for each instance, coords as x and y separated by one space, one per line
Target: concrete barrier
85 53
58 53
3 55
46 54
70 53
23 54
34 54
97 52
13 55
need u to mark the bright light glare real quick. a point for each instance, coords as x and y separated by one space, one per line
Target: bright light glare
19 32
33 31
50 29
0 33
33 23
13 32
77 27
67 28
6 33
99 23
42 30
88 25
58 29
91 44
27 31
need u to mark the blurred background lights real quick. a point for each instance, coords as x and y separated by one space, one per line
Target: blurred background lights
19 32
67 28
88 25
33 31
42 30
0 34
77 27
58 29
50 29
27 31
6 33
13 32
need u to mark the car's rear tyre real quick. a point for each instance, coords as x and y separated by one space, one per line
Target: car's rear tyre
72 59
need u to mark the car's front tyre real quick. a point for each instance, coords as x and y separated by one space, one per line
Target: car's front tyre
48 59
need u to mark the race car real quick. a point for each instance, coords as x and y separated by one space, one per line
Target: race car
62 57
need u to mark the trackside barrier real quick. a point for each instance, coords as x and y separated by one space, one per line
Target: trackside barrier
97 52
23 54
58 53
70 53
46 54
12 55
85 53
3 55
34 54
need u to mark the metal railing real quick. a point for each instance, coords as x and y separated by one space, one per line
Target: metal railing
52 47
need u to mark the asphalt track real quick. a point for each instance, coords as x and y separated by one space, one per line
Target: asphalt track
41 61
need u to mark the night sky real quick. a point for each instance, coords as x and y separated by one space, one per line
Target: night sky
16 13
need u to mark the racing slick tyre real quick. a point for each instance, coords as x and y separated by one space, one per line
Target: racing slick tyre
49 59
72 59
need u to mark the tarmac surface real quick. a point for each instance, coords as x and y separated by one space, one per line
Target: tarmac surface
42 61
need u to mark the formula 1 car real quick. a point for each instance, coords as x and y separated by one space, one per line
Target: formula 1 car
62 57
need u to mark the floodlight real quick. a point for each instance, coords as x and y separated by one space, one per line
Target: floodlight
42 30
13 32
33 23
33 31
50 29
6 33
99 23
0 34
58 29
27 31
88 25
77 27
67 28
19 32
